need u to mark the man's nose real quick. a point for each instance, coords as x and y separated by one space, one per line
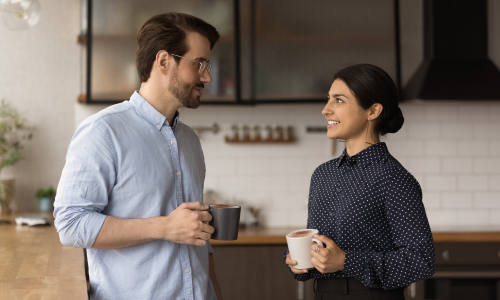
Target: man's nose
205 77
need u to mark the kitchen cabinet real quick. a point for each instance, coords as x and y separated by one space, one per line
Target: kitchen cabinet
271 51
290 50
465 271
252 267
109 29
248 272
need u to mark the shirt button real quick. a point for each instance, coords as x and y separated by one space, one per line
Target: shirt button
178 173
172 142
186 271
158 126
338 190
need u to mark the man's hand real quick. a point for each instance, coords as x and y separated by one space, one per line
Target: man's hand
186 226
183 226
327 260
292 263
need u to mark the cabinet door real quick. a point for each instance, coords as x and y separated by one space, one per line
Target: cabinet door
113 28
255 272
293 48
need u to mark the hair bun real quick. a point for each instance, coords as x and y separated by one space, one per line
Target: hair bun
393 125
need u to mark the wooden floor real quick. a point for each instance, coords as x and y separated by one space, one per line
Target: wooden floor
35 265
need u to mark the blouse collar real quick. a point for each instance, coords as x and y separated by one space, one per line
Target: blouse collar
367 156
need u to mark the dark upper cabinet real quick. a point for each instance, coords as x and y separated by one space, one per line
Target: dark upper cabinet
111 45
271 51
291 49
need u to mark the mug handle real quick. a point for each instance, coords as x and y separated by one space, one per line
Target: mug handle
318 242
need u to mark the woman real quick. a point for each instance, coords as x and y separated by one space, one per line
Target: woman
366 206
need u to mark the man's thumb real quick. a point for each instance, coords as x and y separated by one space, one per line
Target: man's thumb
195 206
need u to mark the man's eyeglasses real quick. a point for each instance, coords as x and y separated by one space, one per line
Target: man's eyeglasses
204 64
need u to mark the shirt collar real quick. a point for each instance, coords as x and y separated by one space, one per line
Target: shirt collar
367 156
150 113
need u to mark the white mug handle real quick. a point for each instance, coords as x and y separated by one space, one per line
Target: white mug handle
318 242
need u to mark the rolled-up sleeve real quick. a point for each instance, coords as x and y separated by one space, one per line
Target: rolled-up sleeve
86 181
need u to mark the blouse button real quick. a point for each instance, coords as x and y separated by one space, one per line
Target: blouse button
338 190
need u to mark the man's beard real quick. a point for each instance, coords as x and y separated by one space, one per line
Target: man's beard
183 91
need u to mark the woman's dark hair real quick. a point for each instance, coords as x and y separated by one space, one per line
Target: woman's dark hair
168 32
370 84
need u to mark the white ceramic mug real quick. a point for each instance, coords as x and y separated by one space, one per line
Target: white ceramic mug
300 247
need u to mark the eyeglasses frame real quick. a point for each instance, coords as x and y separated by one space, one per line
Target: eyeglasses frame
204 64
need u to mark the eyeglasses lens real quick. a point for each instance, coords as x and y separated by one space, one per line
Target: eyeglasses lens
205 65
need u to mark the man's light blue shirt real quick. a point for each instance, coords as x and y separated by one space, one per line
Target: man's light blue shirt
127 162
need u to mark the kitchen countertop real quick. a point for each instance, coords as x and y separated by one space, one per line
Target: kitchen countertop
276 236
35 265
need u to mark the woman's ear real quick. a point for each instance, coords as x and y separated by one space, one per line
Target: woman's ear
375 111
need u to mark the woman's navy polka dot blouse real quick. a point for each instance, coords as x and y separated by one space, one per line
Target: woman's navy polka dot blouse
372 208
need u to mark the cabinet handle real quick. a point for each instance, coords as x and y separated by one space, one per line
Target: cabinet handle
498 254
446 255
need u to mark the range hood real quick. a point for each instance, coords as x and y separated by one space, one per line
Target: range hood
456 64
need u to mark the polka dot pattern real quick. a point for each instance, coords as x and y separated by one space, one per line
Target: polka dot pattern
372 208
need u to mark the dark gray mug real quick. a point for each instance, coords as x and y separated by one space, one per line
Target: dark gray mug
225 220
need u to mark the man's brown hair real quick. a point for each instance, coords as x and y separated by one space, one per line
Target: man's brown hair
168 32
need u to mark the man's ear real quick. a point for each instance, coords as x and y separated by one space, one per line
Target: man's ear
161 62
375 111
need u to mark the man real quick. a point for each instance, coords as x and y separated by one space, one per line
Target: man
131 188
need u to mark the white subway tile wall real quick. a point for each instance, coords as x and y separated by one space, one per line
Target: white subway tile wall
452 149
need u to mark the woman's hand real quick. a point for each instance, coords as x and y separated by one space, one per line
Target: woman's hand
327 260
292 263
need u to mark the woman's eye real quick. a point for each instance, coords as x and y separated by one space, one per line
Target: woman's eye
339 100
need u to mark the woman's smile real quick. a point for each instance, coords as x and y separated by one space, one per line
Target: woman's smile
332 123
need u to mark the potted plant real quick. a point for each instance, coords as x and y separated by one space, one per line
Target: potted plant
46 197
13 133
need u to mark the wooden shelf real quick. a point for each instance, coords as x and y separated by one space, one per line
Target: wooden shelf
258 140
114 97
82 98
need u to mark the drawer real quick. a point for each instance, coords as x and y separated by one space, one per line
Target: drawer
477 253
